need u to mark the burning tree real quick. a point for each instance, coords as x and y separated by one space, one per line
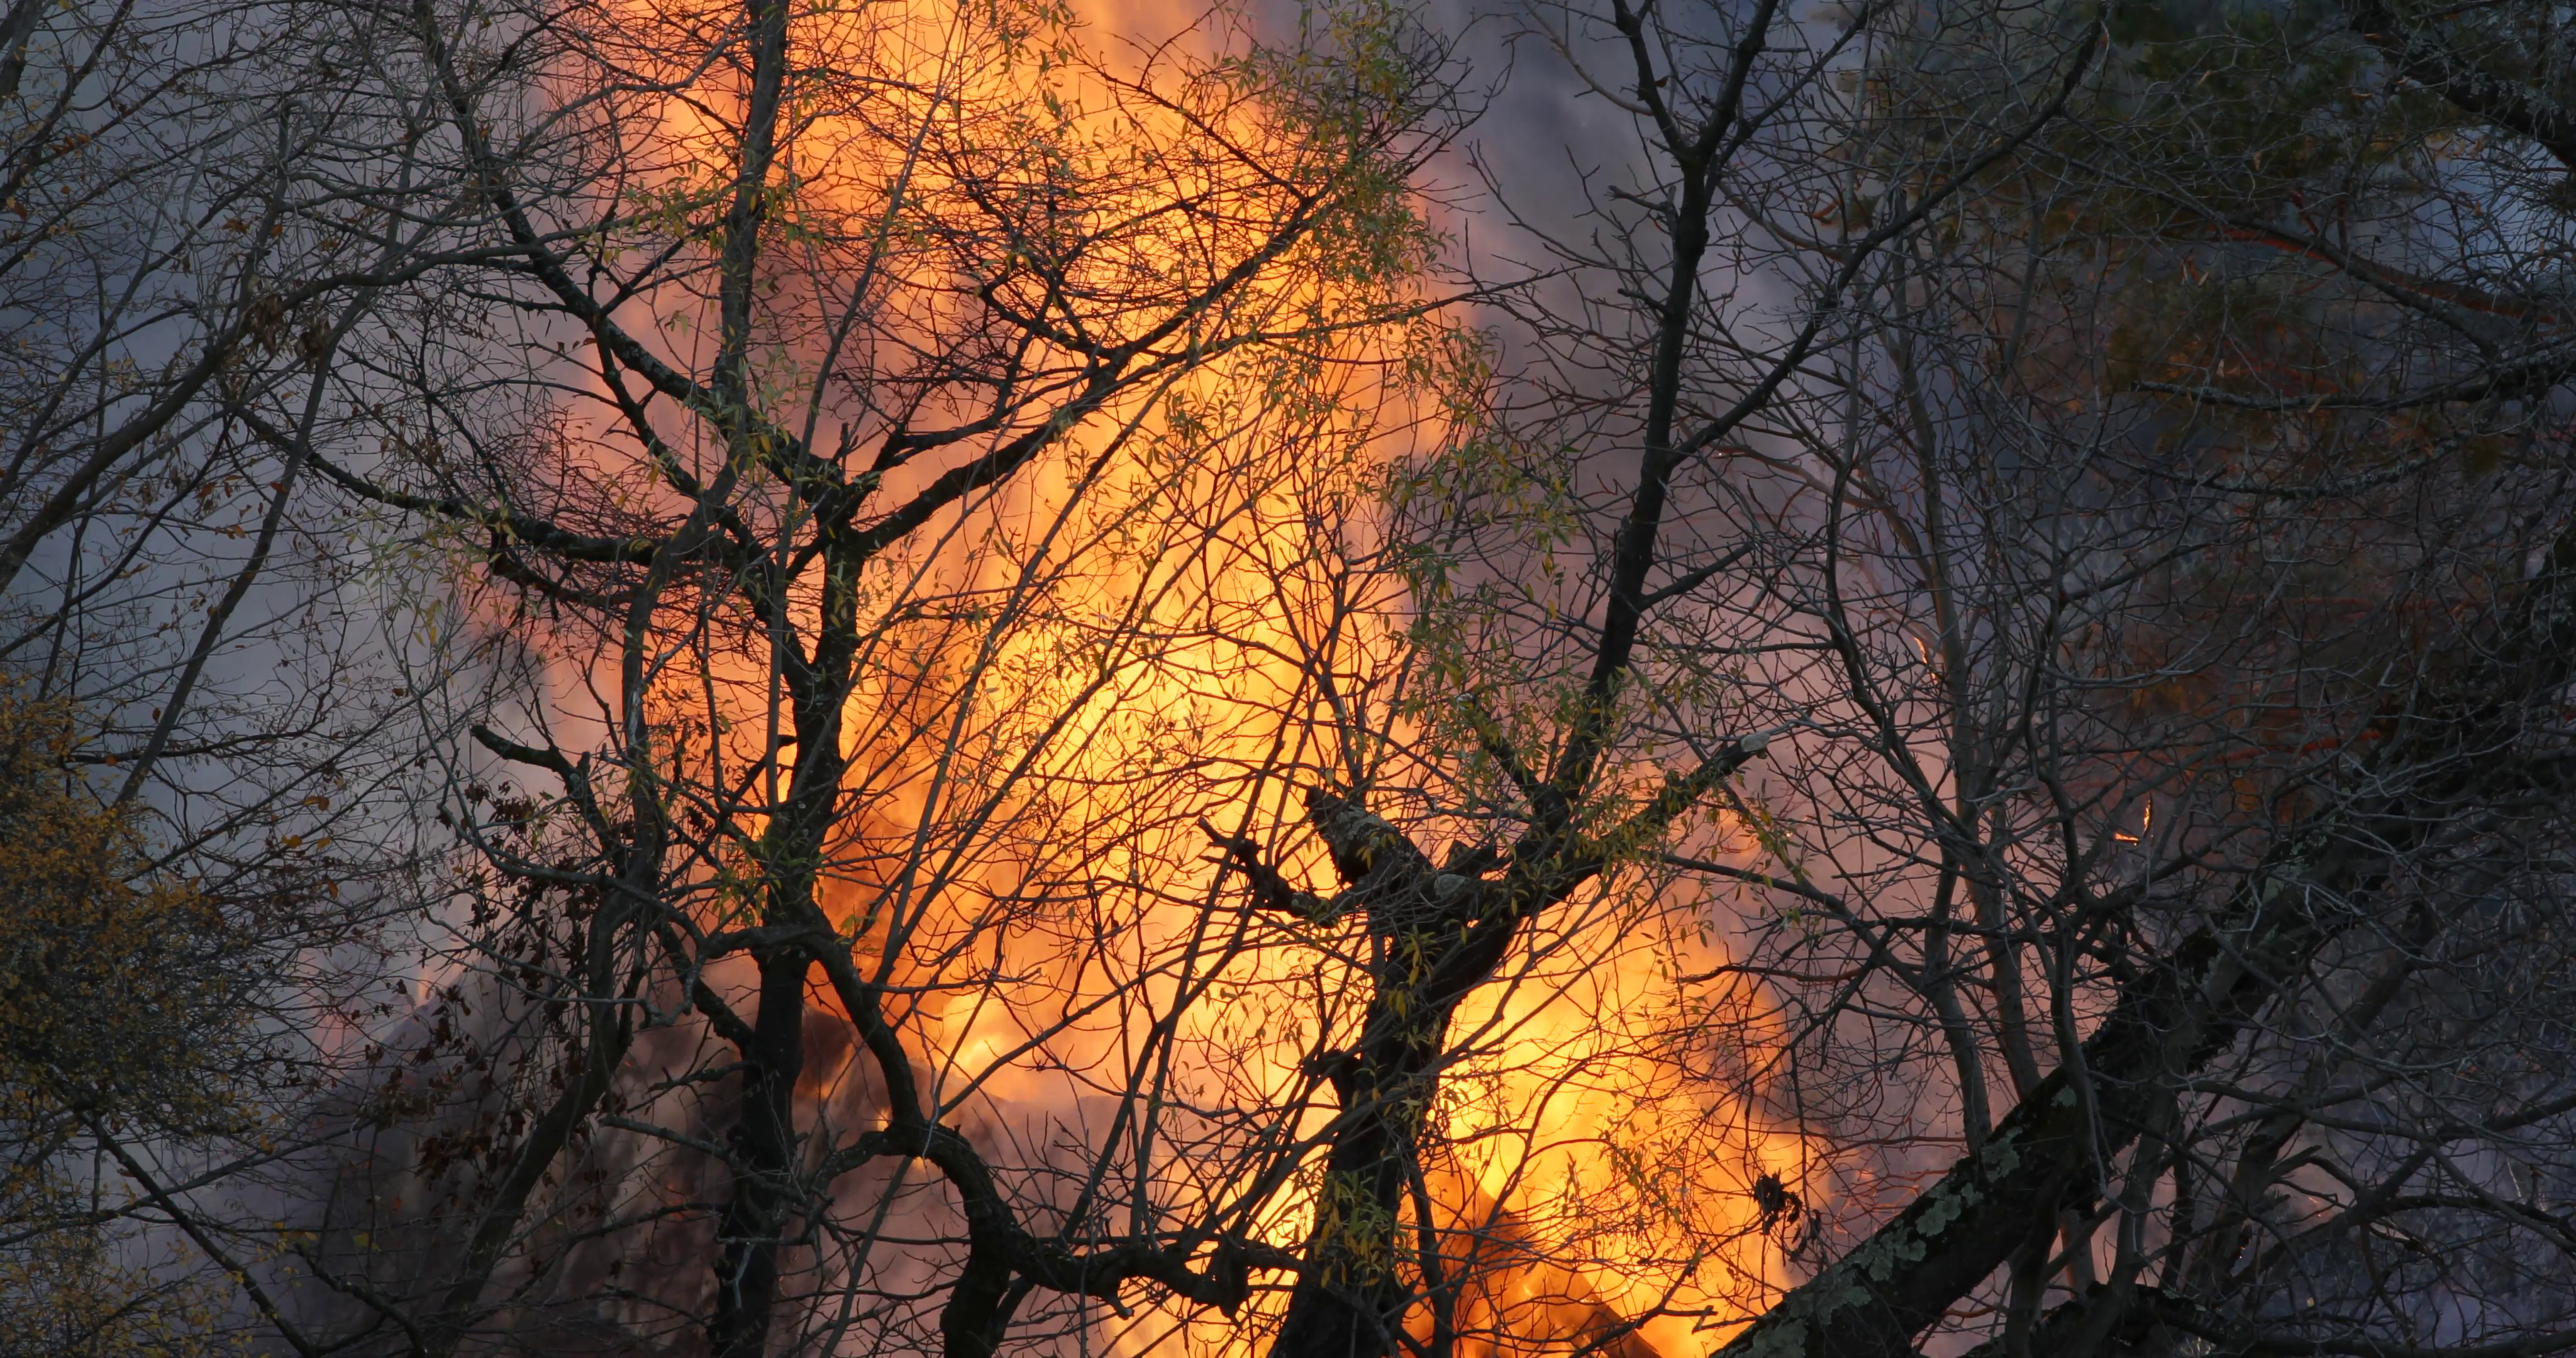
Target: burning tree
1943 736
877 386
2155 554
2134 545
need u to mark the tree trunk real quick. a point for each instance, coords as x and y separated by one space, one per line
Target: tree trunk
764 1147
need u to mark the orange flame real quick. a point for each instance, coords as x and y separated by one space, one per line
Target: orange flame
1199 606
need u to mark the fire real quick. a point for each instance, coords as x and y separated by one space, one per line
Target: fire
1624 1188
1184 616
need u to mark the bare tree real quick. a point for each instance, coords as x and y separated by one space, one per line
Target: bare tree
1599 656
2171 783
199 208
835 426
2181 780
